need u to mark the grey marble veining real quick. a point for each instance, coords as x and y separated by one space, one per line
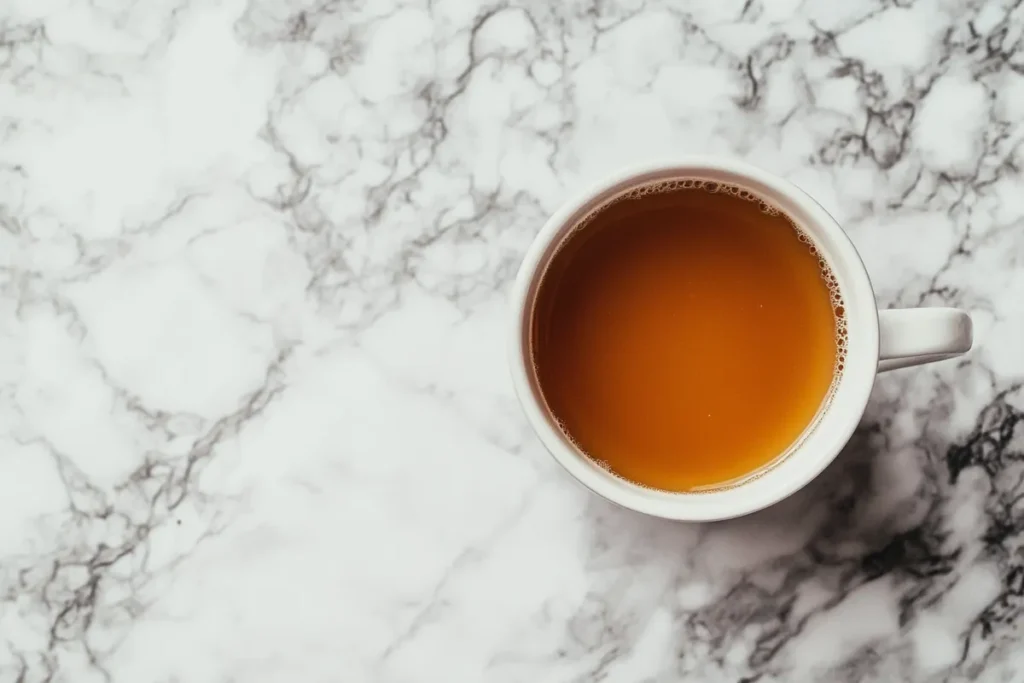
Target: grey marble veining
255 419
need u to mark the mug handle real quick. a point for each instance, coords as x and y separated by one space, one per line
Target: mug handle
915 336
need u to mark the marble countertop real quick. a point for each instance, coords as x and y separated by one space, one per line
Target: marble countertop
255 418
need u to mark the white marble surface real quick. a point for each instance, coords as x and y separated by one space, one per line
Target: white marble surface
255 421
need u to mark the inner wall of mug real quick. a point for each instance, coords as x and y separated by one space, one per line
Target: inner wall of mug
836 418
743 193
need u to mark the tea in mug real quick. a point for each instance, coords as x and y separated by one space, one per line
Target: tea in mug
686 334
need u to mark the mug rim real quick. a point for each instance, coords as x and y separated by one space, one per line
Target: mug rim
825 437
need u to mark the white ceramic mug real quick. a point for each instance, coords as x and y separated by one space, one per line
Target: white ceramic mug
877 341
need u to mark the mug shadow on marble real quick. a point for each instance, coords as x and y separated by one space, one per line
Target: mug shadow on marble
866 508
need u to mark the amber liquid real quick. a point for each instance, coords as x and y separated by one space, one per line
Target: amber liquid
686 339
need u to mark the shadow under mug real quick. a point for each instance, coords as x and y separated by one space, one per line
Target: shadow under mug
876 341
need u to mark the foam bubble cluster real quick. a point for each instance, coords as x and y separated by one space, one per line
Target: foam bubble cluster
712 186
